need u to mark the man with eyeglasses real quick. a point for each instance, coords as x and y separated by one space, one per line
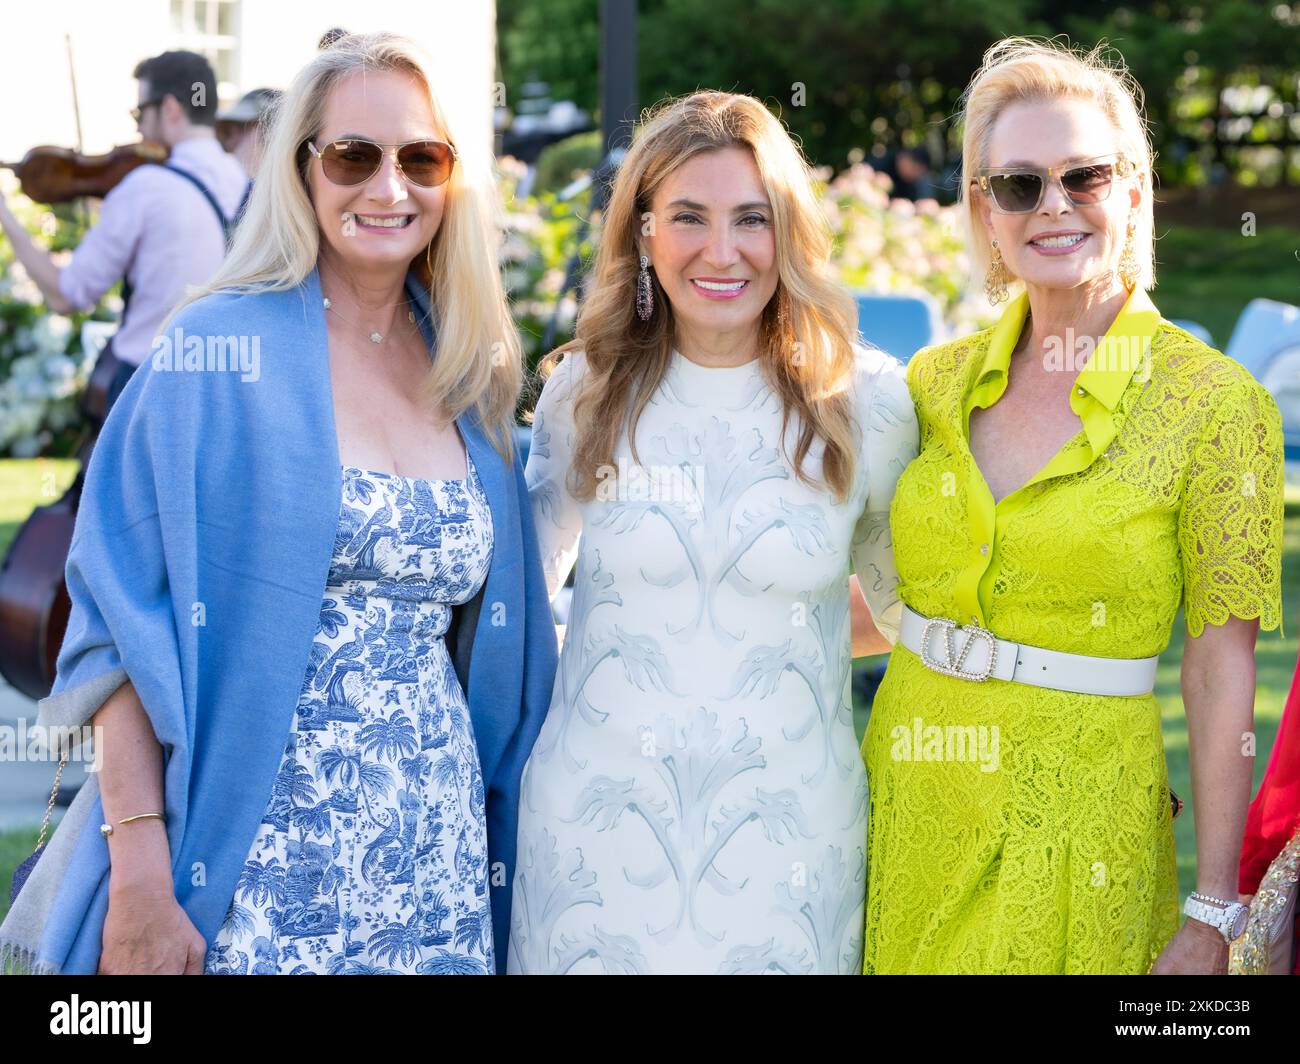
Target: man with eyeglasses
162 228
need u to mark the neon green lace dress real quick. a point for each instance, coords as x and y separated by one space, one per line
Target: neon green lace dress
1044 842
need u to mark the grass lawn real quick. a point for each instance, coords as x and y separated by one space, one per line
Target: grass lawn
27 484
15 846
1209 275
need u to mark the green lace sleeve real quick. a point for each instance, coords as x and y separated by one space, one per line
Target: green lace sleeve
1230 523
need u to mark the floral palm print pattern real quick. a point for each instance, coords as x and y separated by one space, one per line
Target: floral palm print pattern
372 855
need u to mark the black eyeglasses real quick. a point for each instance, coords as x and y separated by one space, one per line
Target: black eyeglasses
138 112
426 163
1020 189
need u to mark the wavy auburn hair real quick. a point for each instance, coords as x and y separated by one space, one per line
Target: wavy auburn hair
808 328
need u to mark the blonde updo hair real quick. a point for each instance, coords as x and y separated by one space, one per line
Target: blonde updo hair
1021 70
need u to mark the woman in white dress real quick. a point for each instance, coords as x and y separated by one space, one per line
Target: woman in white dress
695 801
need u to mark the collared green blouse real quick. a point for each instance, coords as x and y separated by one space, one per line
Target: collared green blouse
1191 478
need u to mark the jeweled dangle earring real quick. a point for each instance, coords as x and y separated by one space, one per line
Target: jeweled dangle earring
645 293
1129 268
995 281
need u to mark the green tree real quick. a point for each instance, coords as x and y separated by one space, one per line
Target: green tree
555 41
856 74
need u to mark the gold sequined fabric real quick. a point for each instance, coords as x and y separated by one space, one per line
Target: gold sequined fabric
1268 945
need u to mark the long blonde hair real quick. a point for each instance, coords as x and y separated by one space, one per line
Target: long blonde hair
1023 69
805 352
477 363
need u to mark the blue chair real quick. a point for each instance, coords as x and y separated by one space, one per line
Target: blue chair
1281 376
1264 328
1196 329
898 324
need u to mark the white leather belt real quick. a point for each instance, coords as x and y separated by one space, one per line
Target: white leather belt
970 652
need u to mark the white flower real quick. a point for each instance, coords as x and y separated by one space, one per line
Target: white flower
59 329
21 287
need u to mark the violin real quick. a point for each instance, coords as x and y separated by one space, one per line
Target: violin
60 175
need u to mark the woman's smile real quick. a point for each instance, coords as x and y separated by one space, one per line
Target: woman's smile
1059 242
719 287
380 222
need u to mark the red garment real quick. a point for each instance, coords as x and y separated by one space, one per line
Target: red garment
1274 815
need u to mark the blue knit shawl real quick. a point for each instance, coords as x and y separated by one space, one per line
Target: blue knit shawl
198 565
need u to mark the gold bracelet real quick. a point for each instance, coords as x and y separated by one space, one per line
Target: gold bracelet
107 829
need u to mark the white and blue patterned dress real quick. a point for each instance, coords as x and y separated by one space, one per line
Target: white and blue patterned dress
372 855
695 802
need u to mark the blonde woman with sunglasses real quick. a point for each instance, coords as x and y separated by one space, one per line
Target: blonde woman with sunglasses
307 607
1085 468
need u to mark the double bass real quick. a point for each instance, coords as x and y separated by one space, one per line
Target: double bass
34 603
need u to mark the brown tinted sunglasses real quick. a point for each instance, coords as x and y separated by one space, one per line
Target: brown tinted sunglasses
426 163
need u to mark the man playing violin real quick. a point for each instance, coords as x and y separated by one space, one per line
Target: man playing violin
161 228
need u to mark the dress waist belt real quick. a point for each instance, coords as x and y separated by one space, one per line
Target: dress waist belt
974 653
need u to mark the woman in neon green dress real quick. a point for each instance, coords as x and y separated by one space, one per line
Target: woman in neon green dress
1085 468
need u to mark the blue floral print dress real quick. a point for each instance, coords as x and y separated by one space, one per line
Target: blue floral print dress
372 855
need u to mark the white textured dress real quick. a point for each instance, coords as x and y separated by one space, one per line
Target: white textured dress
696 802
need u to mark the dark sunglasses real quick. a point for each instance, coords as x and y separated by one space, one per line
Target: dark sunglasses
1020 189
426 163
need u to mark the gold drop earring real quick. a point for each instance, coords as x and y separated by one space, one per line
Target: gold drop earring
1129 268
995 281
